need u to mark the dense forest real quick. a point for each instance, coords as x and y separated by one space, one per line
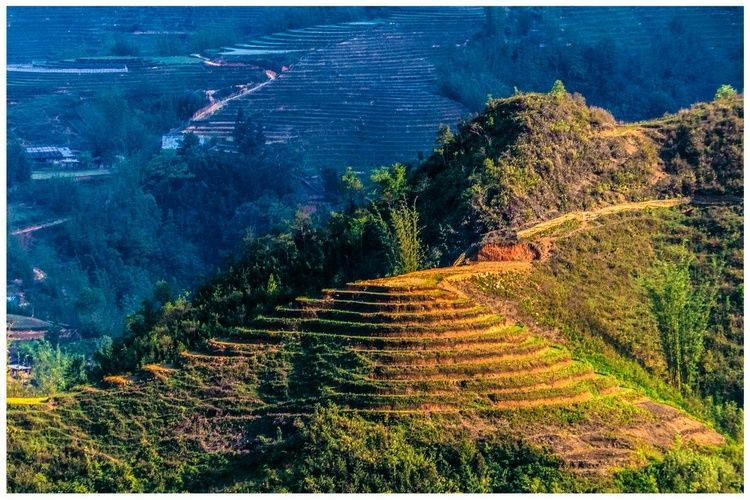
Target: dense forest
638 67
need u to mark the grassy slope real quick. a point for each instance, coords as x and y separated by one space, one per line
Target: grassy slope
195 430
593 297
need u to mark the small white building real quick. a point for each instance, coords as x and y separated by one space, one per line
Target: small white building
173 140
53 156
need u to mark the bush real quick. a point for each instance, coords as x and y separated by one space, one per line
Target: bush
400 237
683 470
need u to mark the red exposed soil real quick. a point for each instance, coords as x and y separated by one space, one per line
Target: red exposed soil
503 253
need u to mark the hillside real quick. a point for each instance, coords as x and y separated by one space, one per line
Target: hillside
532 157
429 346
533 363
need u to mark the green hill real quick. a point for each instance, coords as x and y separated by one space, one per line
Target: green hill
538 368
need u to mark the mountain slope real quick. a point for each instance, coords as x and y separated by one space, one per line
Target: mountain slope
428 346
534 365
533 157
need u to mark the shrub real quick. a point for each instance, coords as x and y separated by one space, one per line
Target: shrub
683 470
725 92
400 237
558 89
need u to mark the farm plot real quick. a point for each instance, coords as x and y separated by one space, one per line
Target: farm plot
422 348
361 94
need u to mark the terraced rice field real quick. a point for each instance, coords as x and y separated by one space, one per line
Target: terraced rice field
423 348
89 77
361 94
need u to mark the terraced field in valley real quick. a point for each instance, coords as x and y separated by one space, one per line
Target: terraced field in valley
362 94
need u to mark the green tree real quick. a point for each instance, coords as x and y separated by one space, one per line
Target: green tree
725 92
352 185
391 184
52 369
558 89
400 237
682 312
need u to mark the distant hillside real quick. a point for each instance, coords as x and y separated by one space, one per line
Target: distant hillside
637 62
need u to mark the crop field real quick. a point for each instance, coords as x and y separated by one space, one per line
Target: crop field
425 349
340 100
363 93
415 345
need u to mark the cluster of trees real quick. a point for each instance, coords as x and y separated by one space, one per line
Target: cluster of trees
54 369
665 70
162 214
682 311
376 236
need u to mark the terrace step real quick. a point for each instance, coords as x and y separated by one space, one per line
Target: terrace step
456 338
512 364
361 306
387 296
240 348
575 393
498 385
380 316
395 359
375 329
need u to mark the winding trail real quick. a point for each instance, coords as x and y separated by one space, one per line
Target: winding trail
443 276
584 216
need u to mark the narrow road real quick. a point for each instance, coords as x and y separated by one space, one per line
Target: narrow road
216 105
37 227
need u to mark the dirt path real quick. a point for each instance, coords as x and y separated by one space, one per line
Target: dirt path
444 277
585 216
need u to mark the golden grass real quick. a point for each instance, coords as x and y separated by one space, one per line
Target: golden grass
117 380
27 401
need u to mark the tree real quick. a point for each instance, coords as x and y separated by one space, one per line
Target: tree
189 143
248 136
558 89
682 313
352 185
400 237
725 92
19 164
392 184
52 369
